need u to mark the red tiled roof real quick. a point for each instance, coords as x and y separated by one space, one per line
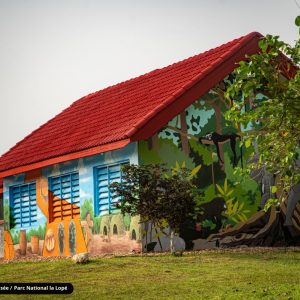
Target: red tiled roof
130 110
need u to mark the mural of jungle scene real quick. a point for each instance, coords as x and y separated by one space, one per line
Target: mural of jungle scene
58 210
61 220
200 135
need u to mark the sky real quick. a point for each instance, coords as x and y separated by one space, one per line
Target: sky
54 52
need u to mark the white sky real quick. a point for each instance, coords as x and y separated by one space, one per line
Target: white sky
54 52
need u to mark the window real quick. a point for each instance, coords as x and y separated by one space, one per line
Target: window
64 197
104 176
23 205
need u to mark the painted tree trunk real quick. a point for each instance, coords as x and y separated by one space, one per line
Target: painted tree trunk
262 229
184 135
23 242
218 116
153 143
35 241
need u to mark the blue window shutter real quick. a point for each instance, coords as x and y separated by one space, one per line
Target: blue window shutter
23 205
65 192
104 176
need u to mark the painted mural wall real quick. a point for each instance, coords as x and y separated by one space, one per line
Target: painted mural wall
1 227
67 218
181 143
1 240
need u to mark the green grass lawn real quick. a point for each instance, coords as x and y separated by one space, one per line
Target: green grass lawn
206 275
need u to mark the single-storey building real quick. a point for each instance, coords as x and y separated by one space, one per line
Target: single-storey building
55 197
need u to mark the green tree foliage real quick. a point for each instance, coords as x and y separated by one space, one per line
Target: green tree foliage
265 97
158 195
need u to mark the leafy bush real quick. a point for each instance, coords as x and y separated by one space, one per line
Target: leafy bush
158 195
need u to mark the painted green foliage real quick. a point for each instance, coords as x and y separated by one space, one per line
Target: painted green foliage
235 211
178 142
88 208
6 215
39 231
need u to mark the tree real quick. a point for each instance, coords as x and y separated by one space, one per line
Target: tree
265 95
158 195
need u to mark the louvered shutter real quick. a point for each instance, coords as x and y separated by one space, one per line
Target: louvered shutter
104 176
23 205
65 199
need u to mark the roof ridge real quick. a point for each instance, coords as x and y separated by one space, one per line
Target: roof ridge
167 102
73 130
156 70
94 94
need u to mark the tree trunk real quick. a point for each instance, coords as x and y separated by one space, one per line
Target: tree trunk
158 238
146 230
151 232
172 247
